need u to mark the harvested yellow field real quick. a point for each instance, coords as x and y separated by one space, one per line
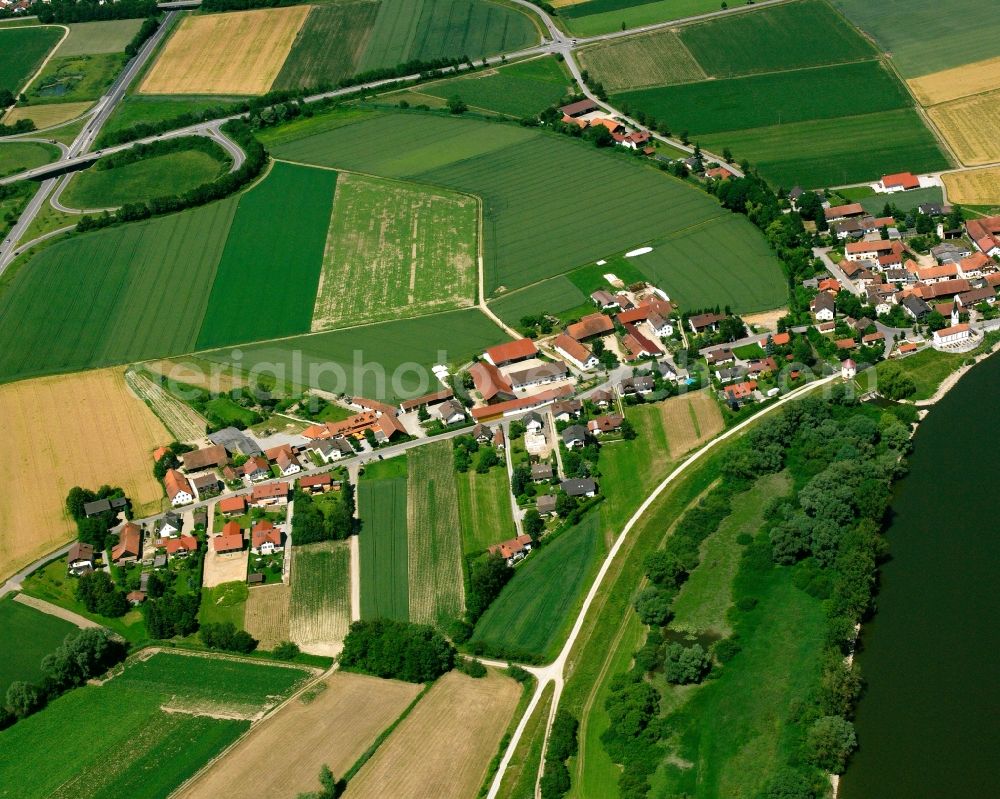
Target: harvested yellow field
267 614
978 187
564 3
443 748
240 52
650 60
45 116
970 126
331 724
58 432
950 84
689 421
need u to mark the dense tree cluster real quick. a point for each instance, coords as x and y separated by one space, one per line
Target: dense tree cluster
79 657
149 26
90 10
398 650
310 523
633 735
224 635
93 530
172 614
99 594
562 745
170 459
487 577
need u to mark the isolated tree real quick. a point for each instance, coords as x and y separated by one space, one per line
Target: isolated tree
456 105
685 664
24 698
829 743
653 606
533 524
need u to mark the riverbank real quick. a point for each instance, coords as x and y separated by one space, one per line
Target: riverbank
952 380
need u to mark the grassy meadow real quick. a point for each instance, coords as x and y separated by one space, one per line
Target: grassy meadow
267 276
21 53
127 293
160 176
19 156
636 61
534 610
384 554
27 636
75 78
115 740
484 508
92 38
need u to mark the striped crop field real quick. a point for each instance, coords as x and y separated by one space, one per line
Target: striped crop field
321 593
435 536
384 556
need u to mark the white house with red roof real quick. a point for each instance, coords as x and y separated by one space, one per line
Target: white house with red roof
900 181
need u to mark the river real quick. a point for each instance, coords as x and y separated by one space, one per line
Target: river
929 722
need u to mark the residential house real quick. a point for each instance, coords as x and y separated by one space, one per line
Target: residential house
511 352
207 485
937 274
900 181
719 356
739 393
976 266
636 386
533 422
609 423
602 397
264 538
574 352
211 457
729 373
482 433
957 334
835 212
846 343
636 140
129 545
256 468
540 472
579 487
564 410
662 328
823 307
451 412
872 339
513 550
915 307
80 559
169 525
973 297
270 494
705 321
638 345
574 436
179 490
179 547
670 371
229 505
332 449
604 299
881 297
316 483
870 250
538 375
761 366
546 504
135 598
595 324
491 383
229 541
517 406
985 234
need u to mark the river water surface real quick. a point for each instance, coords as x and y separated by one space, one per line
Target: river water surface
929 723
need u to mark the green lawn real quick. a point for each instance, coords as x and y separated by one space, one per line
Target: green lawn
928 369
125 293
27 635
604 16
484 508
386 469
229 411
777 98
121 723
21 53
424 30
387 361
384 553
52 584
18 156
789 36
904 201
75 78
139 181
329 45
920 38
224 602
831 152
523 89
92 38
266 281
702 603
536 608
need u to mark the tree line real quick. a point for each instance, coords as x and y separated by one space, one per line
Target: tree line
93 10
397 650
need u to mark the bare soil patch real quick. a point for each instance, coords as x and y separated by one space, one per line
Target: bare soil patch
224 568
240 52
267 614
334 727
83 429
443 748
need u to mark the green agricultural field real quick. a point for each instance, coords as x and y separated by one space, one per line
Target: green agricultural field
329 46
704 599
435 535
832 152
594 17
116 740
321 592
160 176
266 281
649 60
127 293
555 296
18 156
75 78
484 508
387 361
789 36
407 250
522 90
424 30
93 38
22 52
304 127
778 98
384 555
26 636
920 38
536 608
224 602
151 109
